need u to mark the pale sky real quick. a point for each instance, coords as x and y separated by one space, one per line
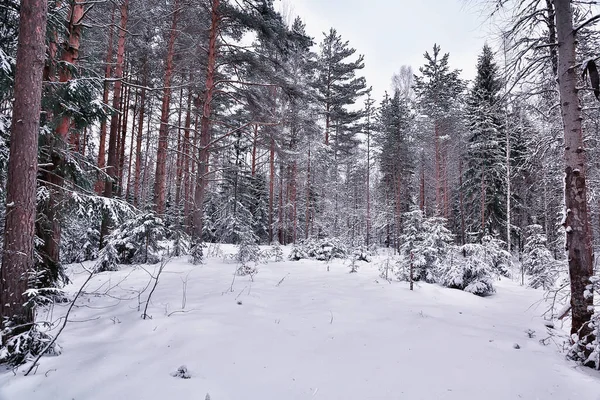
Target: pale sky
391 33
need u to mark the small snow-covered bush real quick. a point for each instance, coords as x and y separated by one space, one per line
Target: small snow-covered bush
135 241
425 244
322 250
585 346
181 243
497 256
470 270
196 252
182 372
24 346
538 261
276 252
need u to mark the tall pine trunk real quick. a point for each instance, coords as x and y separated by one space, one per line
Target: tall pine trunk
140 134
17 254
202 170
107 71
52 176
160 181
112 162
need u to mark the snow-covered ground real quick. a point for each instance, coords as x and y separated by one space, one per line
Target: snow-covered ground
298 331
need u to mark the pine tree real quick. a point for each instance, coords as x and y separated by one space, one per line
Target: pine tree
395 158
17 252
437 91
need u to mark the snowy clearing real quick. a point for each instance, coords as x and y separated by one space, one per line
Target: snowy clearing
317 334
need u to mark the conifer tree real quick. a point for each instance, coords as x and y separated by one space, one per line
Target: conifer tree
484 180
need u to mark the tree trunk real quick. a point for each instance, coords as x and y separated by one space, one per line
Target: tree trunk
183 152
140 134
124 123
160 180
306 234
205 123
271 186
52 176
461 203
111 168
579 238
133 136
438 176
100 184
17 254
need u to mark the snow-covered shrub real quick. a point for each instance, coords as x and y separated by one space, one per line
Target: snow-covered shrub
248 255
362 254
197 252
181 243
298 252
469 269
135 241
276 252
425 244
353 264
387 267
108 259
24 346
76 247
585 348
497 256
538 261
319 249
182 372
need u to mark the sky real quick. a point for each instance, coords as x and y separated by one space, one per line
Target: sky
392 33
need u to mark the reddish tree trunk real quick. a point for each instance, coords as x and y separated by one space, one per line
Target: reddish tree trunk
307 197
52 176
271 186
205 122
183 154
133 136
160 180
100 184
19 229
140 134
438 188
124 123
254 145
112 163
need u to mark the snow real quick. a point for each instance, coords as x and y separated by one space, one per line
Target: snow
298 331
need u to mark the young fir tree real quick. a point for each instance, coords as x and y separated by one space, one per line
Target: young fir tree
425 244
538 261
484 183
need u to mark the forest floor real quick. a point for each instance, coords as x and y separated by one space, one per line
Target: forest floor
298 331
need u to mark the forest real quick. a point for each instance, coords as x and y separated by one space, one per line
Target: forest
137 131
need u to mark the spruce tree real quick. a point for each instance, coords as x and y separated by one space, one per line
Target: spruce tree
484 183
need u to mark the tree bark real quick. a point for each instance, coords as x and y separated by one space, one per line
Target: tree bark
112 163
140 134
123 137
133 137
100 184
17 254
271 186
160 180
52 176
198 213
579 238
